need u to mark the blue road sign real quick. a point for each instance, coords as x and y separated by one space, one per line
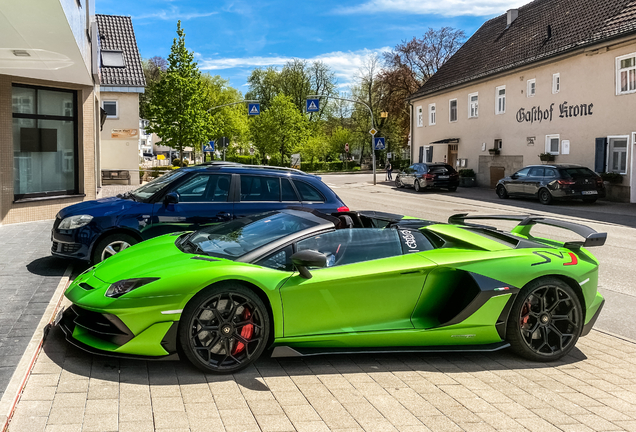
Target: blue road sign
254 109
379 143
209 147
313 105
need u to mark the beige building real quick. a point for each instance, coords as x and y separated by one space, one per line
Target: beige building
48 107
122 80
550 77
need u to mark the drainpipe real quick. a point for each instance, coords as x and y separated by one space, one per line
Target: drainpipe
411 133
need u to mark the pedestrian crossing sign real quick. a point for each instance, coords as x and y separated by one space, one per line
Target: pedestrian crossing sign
254 109
313 105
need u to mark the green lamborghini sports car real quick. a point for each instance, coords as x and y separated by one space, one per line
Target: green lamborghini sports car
304 283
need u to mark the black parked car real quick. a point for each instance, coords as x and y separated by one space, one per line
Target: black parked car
428 176
548 182
186 199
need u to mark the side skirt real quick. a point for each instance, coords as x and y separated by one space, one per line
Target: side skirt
286 351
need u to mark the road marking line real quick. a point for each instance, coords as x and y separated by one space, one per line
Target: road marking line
12 394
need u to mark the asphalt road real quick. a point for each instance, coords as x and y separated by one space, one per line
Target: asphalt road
617 274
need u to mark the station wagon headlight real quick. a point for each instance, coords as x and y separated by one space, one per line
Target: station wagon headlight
73 222
125 286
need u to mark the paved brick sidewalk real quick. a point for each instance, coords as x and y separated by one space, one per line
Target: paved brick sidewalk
592 390
28 278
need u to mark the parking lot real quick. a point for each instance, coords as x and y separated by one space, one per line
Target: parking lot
593 388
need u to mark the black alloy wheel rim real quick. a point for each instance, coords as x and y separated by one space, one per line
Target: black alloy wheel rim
226 331
550 321
545 196
501 191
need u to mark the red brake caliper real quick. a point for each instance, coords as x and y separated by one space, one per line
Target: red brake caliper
246 333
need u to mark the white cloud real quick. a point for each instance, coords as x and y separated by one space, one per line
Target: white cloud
345 65
434 7
174 14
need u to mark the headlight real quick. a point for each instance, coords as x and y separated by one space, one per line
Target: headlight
125 286
73 222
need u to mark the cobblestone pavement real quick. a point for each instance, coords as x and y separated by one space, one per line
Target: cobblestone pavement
593 389
28 278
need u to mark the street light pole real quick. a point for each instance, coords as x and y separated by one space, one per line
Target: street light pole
372 124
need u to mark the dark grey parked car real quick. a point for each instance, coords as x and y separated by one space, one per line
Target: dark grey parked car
548 182
422 176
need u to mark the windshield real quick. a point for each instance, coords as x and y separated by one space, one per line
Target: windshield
236 238
152 187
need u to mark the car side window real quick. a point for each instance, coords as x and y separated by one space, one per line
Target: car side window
279 260
287 191
258 188
536 172
522 173
204 188
308 192
550 172
349 246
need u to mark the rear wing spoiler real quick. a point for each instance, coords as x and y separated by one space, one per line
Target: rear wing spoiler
592 238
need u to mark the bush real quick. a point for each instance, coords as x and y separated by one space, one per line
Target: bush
467 172
176 162
612 177
244 159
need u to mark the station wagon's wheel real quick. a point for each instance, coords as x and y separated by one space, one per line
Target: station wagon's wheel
111 245
417 186
545 321
224 328
452 188
545 197
398 183
502 192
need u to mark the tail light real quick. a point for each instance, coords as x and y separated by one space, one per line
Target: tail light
342 209
428 176
566 182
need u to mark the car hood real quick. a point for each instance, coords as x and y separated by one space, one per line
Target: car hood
101 207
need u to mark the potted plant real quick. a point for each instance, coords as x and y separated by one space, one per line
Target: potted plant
612 177
467 178
493 151
546 157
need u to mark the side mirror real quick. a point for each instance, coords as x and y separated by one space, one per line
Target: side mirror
514 176
171 198
308 258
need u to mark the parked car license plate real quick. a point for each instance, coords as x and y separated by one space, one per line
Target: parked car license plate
442 177
589 192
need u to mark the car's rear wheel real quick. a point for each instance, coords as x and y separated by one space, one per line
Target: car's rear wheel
224 328
452 188
112 245
398 183
502 192
545 197
545 321
417 186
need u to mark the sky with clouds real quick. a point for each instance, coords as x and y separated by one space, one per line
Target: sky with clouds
232 37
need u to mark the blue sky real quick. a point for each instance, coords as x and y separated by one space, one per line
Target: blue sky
230 38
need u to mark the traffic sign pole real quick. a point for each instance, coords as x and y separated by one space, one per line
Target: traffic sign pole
373 150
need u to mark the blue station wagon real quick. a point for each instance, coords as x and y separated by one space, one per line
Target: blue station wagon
186 199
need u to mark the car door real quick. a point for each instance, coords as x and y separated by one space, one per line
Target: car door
408 176
534 181
515 184
369 284
204 199
259 194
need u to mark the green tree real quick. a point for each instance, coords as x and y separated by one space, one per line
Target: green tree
264 86
154 70
178 109
281 128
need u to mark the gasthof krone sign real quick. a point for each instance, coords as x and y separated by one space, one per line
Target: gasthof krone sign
124 133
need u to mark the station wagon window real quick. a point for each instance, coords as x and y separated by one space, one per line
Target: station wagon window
204 188
536 172
550 172
308 192
257 188
349 246
287 191
626 74
522 173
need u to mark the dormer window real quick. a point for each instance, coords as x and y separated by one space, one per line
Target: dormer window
113 59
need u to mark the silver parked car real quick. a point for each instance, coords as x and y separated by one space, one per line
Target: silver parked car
556 181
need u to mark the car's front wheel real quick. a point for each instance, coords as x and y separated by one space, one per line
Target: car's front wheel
545 321
502 192
224 328
111 245
417 186
545 197
398 183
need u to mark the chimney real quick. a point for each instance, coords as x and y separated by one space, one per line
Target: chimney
512 15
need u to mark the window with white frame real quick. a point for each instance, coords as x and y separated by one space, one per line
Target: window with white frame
617 162
532 87
420 116
626 74
473 105
452 110
556 83
111 108
500 104
552 144
431 114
